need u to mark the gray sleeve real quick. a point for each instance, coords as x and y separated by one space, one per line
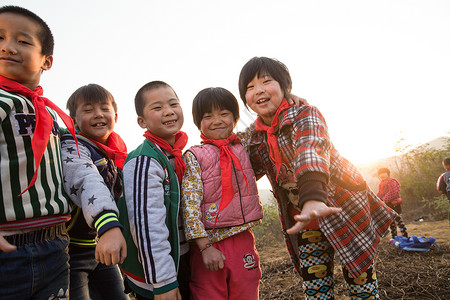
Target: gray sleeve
83 183
144 195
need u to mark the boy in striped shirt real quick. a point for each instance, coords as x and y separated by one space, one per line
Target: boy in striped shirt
33 205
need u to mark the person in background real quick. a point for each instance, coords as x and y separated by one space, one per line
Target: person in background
33 239
157 264
443 183
323 199
93 182
220 203
389 192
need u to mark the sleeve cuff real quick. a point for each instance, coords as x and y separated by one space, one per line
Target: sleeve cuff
105 221
312 186
165 288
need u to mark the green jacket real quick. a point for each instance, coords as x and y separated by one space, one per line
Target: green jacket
136 172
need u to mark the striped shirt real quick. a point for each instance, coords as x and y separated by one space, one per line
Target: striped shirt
45 203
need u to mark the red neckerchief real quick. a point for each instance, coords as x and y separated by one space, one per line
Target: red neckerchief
115 148
274 150
181 139
225 157
44 121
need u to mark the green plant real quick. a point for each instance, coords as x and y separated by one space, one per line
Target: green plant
269 233
418 170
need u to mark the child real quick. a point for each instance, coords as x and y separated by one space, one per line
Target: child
443 183
157 261
389 192
34 256
320 194
93 182
220 203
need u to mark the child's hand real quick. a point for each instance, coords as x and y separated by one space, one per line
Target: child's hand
170 295
111 248
293 99
5 246
312 210
213 259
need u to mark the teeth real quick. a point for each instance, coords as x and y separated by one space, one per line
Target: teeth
169 122
262 101
100 124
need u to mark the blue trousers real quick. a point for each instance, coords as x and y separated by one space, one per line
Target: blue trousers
90 279
38 268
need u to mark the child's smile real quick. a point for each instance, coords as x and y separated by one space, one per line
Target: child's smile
218 124
162 113
96 120
21 59
264 96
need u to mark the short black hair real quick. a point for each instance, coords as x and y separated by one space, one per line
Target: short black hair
45 34
139 101
384 170
213 98
260 66
89 94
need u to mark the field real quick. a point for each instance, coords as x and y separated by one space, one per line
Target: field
401 274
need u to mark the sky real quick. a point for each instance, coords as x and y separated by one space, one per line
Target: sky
378 70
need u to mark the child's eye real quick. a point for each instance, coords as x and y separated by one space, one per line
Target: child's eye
174 104
156 108
24 42
249 87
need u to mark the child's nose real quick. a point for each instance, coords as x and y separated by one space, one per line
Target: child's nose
7 47
260 88
98 113
217 119
169 111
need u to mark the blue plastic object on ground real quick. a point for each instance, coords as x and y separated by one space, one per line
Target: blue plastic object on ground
414 243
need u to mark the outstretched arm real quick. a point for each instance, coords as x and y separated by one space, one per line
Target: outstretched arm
312 210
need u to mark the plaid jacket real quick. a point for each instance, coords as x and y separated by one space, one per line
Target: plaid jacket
308 154
389 191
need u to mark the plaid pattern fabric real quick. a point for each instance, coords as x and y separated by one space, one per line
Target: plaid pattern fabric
304 142
389 190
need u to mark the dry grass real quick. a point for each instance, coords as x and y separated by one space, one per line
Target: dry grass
401 274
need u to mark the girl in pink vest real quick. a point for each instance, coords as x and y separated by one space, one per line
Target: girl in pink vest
220 203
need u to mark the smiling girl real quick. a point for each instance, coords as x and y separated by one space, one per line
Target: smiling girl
322 197
220 203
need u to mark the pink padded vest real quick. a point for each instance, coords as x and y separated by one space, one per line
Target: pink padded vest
243 208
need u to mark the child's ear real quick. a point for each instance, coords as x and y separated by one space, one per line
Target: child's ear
142 122
48 62
75 123
116 117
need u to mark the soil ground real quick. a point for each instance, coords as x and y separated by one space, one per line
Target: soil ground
401 274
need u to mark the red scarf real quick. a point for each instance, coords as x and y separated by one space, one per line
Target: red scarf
44 121
225 157
181 139
115 148
274 149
